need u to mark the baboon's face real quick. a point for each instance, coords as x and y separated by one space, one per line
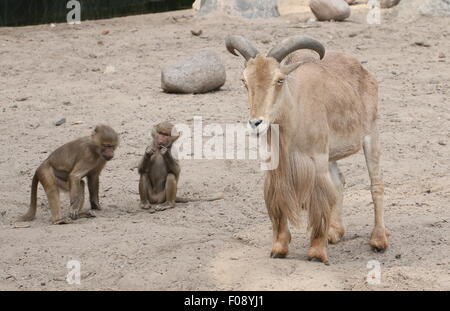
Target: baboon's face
163 140
107 150
106 141
264 80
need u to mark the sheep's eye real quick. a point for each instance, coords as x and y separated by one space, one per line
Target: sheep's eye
244 82
280 81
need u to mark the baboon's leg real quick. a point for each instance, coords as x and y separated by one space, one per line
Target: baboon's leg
50 184
144 190
337 229
323 200
76 196
169 195
281 234
171 189
371 145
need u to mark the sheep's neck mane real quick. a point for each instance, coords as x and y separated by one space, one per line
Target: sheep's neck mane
284 117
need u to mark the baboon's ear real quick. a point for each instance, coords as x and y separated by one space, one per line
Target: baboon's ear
175 134
174 138
95 131
287 69
153 132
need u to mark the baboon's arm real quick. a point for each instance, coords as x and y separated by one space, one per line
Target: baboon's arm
172 164
144 165
93 185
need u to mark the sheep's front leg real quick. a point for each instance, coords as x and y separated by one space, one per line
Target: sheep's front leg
323 200
280 224
281 236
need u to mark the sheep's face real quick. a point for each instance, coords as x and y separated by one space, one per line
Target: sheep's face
264 80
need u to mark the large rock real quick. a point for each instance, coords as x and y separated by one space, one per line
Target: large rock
385 4
244 8
415 8
199 73
327 10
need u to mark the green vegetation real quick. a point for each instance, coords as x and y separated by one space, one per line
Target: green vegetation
26 12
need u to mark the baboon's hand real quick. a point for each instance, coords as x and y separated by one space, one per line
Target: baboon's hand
163 150
96 206
74 213
150 150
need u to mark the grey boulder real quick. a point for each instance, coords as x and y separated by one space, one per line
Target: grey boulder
199 73
327 10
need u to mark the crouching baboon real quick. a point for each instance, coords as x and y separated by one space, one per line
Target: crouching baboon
159 171
65 169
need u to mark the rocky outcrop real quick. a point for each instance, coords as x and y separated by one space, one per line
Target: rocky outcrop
415 8
244 8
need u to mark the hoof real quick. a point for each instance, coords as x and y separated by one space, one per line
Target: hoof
326 263
335 234
378 240
318 253
277 255
64 221
87 214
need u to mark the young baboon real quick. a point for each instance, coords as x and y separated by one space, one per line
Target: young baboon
65 169
160 171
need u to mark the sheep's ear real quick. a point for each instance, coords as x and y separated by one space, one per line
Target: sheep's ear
287 69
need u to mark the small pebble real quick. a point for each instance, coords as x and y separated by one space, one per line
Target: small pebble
196 32
421 43
60 122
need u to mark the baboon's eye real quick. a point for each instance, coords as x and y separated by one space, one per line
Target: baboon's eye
280 81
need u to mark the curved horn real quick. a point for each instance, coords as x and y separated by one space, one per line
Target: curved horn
294 43
242 45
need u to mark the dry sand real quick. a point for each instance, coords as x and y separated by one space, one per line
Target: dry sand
48 73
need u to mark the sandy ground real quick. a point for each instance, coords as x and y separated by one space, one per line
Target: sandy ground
48 73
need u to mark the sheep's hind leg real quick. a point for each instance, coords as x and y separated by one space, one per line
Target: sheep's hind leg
378 239
337 229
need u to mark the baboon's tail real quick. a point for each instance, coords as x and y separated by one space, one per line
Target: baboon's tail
31 214
208 199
